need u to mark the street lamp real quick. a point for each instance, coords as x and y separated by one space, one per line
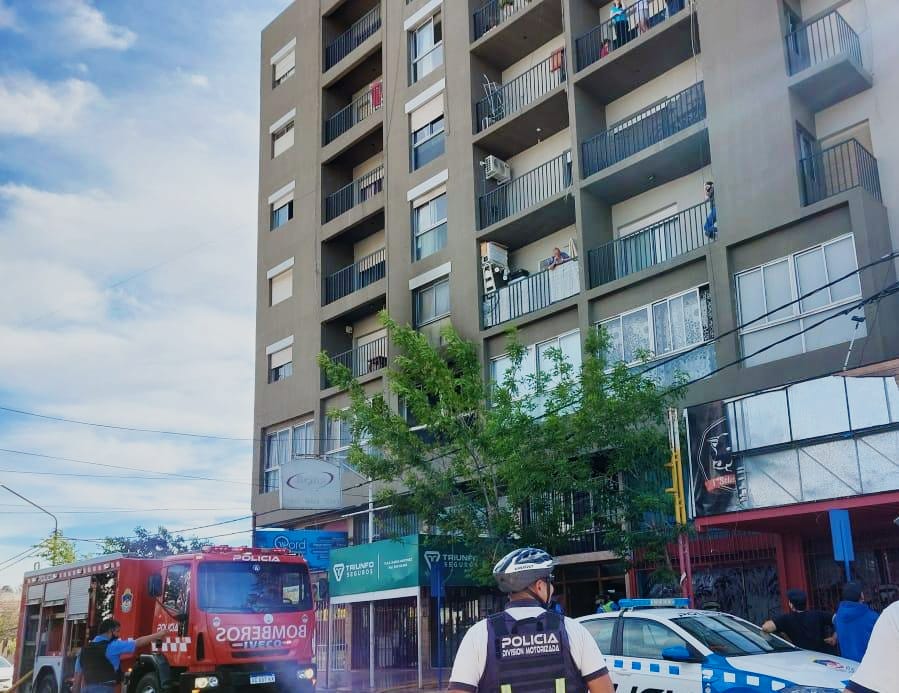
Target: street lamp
31 502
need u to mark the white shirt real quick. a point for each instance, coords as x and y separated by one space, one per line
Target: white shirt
879 670
472 655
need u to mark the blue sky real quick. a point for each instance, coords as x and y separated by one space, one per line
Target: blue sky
128 176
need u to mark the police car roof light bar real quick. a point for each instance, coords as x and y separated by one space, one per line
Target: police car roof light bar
670 602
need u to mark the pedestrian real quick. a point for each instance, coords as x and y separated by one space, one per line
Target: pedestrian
607 603
808 629
879 670
98 667
854 622
711 221
528 646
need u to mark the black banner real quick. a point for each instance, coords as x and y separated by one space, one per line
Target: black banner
716 473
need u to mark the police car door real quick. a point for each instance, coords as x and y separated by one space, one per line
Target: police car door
642 642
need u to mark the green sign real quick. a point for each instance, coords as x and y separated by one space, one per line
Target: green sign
396 563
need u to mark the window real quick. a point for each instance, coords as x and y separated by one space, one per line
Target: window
644 638
601 629
432 302
282 139
280 364
426 48
667 326
728 637
304 439
281 215
763 290
281 286
429 226
428 142
538 359
279 446
283 67
176 595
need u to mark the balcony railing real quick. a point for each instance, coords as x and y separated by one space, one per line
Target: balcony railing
361 107
344 44
357 276
531 294
526 191
367 358
653 245
644 129
355 193
617 32
839 168
494 13
821 40
515 95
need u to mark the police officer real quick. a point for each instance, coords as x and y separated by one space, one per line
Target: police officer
98 669
528 648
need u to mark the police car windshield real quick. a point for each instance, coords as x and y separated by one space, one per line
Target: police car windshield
252 587
730 637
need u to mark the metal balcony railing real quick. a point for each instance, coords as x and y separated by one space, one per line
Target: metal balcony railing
525 191
494 13
653 245
614 33
507 99
821 40
839 168
357 276
367 358
344 44
355 193
644 129
361 107
531 294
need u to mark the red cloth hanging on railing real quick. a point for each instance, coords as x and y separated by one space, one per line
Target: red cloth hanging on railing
556 59
376 90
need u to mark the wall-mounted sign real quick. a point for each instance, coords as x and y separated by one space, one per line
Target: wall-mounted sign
312 544
310 483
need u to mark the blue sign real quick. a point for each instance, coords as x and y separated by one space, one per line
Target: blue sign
841 533
312 544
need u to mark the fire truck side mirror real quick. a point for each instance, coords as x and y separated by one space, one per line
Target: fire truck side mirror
154 585
322 589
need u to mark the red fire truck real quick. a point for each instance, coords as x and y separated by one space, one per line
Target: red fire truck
237 617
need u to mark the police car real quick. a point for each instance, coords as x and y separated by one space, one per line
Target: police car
653 649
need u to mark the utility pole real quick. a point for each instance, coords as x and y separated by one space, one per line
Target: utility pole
43 510
680 505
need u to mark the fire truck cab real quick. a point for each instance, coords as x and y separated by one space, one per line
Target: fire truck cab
236 617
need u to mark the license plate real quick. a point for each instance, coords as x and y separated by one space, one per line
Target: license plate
261 678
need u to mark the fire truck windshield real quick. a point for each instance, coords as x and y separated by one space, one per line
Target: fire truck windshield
253 587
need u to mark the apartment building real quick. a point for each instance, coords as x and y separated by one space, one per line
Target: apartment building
430 157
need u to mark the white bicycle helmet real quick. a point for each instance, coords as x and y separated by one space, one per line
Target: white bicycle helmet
519 569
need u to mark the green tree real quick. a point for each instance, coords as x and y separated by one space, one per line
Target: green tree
147 544
534 459
56 550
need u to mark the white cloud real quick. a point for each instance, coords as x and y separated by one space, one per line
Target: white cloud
88 28
8 18
32 106
198 80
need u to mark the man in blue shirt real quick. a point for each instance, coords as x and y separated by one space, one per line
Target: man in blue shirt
854 622
97 669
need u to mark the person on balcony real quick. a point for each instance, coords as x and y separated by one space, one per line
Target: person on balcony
711 222
621 23
558 258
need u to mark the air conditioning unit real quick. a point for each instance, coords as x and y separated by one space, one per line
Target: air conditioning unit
497 169
493 253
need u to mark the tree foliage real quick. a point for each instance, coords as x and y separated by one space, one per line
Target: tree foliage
56 550
147 544
535 459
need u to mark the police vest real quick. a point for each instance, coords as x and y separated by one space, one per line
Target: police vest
532 655
95 667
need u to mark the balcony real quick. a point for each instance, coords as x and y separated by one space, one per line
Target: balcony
362 360
357 111
531 294
349 196
355 36
654 146
616 57
654 245
357 276
512 112
824 60
529 205
839 168
505 31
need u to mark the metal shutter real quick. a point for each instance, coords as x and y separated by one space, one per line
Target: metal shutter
79 598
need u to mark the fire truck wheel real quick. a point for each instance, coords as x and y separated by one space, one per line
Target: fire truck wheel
149 683
46 684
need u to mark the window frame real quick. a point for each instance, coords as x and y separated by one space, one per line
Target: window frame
416 60
279 133
416 301
276 82
273 212
641 622
268 468
308 426
271 288
288 366
416 145
181 569
649 309
532 351
418 232
797 313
